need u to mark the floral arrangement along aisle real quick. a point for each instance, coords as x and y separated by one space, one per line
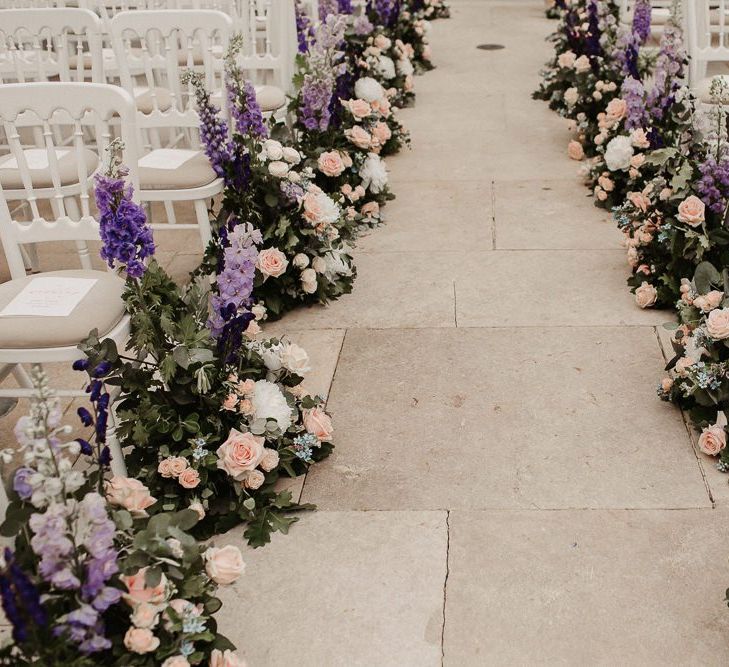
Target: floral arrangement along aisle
92 578
214 416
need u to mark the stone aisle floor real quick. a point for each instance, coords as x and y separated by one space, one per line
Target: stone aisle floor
506 488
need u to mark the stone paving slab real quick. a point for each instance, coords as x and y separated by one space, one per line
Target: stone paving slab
538 288
504 418
587 588
342 589
550 214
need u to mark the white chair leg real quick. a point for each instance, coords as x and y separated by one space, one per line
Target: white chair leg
22 377
82 247
3 500
203 221
30 257
118 467
170 213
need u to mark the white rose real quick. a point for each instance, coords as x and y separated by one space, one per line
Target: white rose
337 265
269 403
405 67
278 169
271 357
300 261
295 359
274 149
571 96
368 89
308 281
259 311
373 173
291 155
618 153
386 67
319 265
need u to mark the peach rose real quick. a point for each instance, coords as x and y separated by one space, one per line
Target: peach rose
359 137
139 593
717 324
189 478
639 200
130 494
176 661
165 468
646 295
640 138
240 453
230 402
178 464
253 480
360 109
567 59
692 211
271 263
318 423
582 64
224 565
330 163
371 209
606 183
708 302
683 364
637 161
616 109
381 133
269 460
575 151
666 384
140 640
145 615
246 388
382 107
225 658
712 440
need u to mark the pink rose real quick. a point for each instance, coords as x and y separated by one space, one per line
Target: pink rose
640 138
330 163
666 384
616 110
230 402
360 109
382 107
269 460
165 468
567 59
145 615
371 209
140 640
189 478
318 423
582 64
224 565
246 388
637 161
139 593
271 262
130 494
712 440
606 183
692 211
359 137
708 302
717 324
176 661
225 658
639 200
381 133
240 453
575 151
646 295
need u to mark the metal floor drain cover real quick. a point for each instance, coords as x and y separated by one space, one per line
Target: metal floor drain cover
490 47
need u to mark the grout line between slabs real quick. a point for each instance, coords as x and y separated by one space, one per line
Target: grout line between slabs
493 214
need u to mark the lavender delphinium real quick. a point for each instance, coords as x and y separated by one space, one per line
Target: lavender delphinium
642 20
625 55
633 94
327 7
304 28
244 107
668 74
713 186
126 238
324 66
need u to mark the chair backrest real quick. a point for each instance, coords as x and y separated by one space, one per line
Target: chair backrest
153 47
42 44
91 116
708 35
27 4
270 43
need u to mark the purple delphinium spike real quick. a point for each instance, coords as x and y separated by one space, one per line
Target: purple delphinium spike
642 20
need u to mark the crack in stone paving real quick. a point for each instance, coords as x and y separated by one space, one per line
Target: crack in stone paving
445 586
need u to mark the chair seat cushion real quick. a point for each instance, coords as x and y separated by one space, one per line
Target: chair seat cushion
174 169
270 98
702 89
102 308
39 168
145 97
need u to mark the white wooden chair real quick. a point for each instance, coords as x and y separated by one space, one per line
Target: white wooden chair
83 109
50 44
708 40
173 169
